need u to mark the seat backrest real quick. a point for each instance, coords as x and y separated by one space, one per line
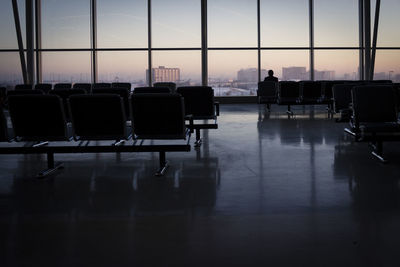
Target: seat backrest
64 94
23 87
267 88
199 101
58 86
310 89
38 117
342 95
289 89
326 87
378 81
374 103
98 117
101 85
170 85
124 93
3 96
86 86
158 116
151 90
45 87
122 85
24 92
3 127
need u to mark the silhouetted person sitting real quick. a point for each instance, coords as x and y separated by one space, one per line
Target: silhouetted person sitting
271 77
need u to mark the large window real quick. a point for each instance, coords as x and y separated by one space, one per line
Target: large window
284 23
233 72
232 23
122 24
336 23
66 67
336 65
65 24
122 66
238 51
288 65
176 23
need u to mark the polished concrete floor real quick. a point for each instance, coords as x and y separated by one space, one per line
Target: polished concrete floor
263 190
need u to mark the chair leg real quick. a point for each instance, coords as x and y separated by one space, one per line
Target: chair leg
378 151
163 164
198 141
51 166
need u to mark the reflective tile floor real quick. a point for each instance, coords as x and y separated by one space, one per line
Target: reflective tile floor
263 190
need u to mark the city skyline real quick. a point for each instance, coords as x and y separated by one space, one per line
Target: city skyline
177 24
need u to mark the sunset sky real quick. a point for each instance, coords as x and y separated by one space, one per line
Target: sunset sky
176 24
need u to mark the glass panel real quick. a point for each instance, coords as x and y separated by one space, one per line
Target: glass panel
10 69
389 21
336 65
336 23
8 34
124 66
176 23
387 65
121 23
288 65
66 67
181 67
65 24
232 23
231 73
284 23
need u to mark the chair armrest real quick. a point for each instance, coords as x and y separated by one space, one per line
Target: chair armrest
216 103
191 122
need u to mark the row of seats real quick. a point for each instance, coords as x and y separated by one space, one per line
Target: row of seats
374 115
298 93
199 101
42 119
46 87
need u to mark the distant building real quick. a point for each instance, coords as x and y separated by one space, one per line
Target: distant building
163 74
294 73
250 75
396 78
380 76
324 75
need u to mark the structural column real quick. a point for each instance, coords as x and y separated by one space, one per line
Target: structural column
311 15
93 35
30 41
204 44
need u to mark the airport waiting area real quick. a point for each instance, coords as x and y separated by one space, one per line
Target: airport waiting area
262 183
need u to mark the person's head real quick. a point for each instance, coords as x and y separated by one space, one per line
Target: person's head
270 73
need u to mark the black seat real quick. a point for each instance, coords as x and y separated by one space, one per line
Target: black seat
101 85
24 92
3 97
64 94
45 87
151 90
122 85
379 81
200 105
288 94
123 92
310 92
86 86
38 118
342 100
170 85
58 86
375 116
98 117
3 127
267 93
158 116
23 87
